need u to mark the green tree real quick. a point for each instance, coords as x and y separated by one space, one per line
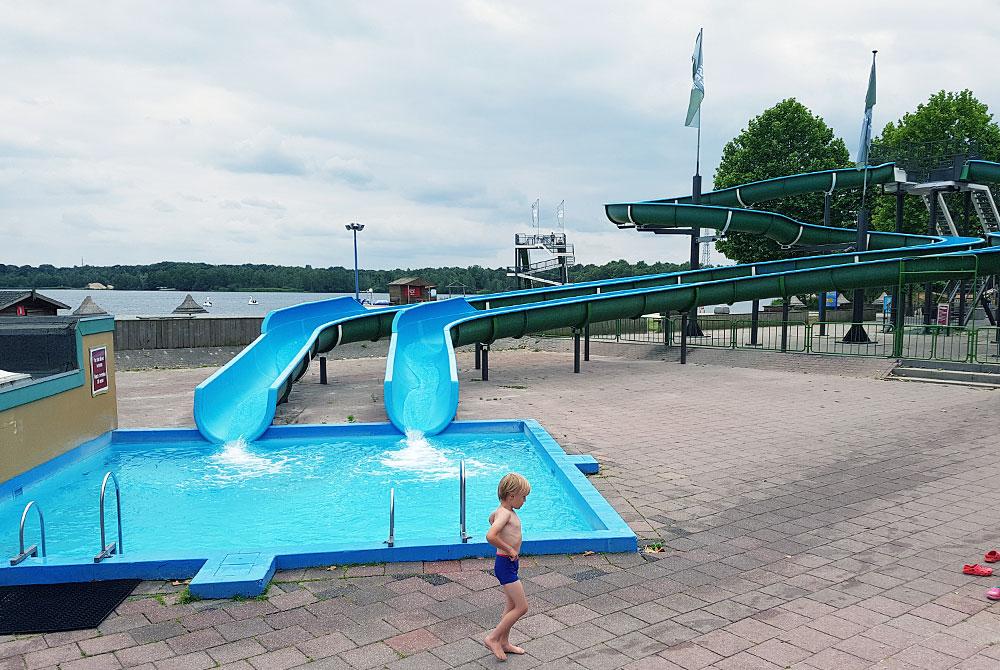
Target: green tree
784 140
948 124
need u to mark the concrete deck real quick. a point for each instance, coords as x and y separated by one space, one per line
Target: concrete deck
814 516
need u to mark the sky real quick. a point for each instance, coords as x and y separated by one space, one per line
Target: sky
252 132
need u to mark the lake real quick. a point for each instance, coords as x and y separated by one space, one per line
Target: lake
158 303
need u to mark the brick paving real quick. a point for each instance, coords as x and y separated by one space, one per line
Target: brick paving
813 520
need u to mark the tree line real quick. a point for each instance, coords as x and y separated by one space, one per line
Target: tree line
204 277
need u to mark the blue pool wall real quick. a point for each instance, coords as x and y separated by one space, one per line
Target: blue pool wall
611 533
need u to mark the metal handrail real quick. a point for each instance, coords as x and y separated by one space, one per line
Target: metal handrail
392 517
461 502
33 549
108 550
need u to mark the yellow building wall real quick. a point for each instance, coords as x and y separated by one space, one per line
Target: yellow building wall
38 431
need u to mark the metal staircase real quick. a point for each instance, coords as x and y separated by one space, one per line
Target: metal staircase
986 208
944 224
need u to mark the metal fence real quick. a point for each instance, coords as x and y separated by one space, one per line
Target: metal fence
831 338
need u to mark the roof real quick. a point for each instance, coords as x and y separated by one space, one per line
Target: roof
13 296
411 281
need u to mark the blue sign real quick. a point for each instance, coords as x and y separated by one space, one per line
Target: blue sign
831 300
886 303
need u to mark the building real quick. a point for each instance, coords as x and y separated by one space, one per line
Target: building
28 302
409 290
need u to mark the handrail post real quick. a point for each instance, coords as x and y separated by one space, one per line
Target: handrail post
392 517
33 549
461 502
108 550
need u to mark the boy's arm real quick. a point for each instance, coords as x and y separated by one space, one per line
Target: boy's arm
500 520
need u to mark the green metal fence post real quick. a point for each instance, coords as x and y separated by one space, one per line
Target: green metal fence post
900 314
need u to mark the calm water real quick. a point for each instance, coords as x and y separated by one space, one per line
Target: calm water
151 303
183 497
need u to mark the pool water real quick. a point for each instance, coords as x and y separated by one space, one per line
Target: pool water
189 496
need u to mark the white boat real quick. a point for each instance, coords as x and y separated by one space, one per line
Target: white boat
251 301
207 303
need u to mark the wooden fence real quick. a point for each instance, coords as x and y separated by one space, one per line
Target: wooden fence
184 333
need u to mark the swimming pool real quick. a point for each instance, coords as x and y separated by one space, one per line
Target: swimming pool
301 495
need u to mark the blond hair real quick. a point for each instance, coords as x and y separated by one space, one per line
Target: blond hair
511 484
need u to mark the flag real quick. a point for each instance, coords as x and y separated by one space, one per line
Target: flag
866 125
697 86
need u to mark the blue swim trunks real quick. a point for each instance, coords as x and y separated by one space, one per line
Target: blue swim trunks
505 569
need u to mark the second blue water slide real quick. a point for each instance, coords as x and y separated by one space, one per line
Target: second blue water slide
239 400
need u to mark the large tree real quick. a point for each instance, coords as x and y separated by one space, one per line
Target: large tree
784 140
948 124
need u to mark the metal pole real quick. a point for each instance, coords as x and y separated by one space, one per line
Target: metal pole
576 350
754 321
692 323
897 297
821 302
392 517
586 342
784 324
479 355
357 287
857 334
322 369
931 230
684 338
461 502
966 201
486 362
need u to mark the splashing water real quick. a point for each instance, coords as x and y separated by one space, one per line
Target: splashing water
420 457
236 462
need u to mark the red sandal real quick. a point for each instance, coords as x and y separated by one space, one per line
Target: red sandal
992 556
977 570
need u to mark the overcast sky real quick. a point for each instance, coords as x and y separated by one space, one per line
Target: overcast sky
231 132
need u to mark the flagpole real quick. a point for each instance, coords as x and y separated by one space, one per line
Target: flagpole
697 156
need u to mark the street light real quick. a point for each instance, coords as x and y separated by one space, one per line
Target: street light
355 227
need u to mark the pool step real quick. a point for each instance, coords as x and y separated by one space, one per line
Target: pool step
586 463
243 574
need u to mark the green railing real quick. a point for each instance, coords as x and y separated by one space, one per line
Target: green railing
986 343
917 341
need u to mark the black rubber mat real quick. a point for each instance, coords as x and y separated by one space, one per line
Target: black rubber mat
48 608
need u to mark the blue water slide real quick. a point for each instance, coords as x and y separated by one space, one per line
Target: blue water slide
240 399
421 378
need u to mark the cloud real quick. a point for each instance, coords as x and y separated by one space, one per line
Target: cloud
263 127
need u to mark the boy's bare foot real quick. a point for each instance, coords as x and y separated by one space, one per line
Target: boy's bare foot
496 648
512 649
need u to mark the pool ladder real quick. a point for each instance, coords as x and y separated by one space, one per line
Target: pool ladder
392 510
108 550
33 549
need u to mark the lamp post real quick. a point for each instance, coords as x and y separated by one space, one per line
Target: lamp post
355 227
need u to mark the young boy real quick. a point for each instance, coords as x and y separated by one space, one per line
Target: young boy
505 535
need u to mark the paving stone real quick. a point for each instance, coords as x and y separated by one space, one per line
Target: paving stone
198 660
370 655
52 656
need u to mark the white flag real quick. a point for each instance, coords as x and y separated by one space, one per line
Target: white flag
697 86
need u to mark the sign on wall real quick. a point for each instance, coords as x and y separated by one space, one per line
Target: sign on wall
943 313
98 371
